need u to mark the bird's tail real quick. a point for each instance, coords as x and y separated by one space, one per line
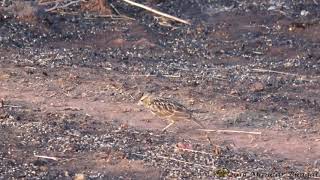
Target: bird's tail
197 122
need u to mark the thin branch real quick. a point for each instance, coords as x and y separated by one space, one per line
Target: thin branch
115 9
157 12
229 131
47 157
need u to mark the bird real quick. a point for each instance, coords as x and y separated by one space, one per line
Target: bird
172 111
168 109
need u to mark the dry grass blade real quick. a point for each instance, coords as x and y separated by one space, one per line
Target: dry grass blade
230 131
157 12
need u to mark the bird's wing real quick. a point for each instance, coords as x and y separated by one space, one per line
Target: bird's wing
161 108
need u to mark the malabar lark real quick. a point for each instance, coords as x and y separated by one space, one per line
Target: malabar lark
168 109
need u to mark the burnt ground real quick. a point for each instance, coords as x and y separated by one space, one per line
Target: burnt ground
70 83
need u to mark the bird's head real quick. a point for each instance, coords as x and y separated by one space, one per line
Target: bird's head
145 99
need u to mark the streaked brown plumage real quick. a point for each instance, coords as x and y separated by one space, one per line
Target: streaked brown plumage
168 109
172 111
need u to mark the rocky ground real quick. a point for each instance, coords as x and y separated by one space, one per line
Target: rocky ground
70 79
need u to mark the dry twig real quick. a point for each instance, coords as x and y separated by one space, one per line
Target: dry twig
229 131
115 9
156 12
47 157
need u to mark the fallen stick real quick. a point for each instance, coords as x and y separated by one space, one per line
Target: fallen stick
229 131
157 12
47 157
115 9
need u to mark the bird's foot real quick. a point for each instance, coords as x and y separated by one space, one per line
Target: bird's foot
216 149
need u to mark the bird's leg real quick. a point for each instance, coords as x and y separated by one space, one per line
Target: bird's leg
172 122
216 148
209 139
